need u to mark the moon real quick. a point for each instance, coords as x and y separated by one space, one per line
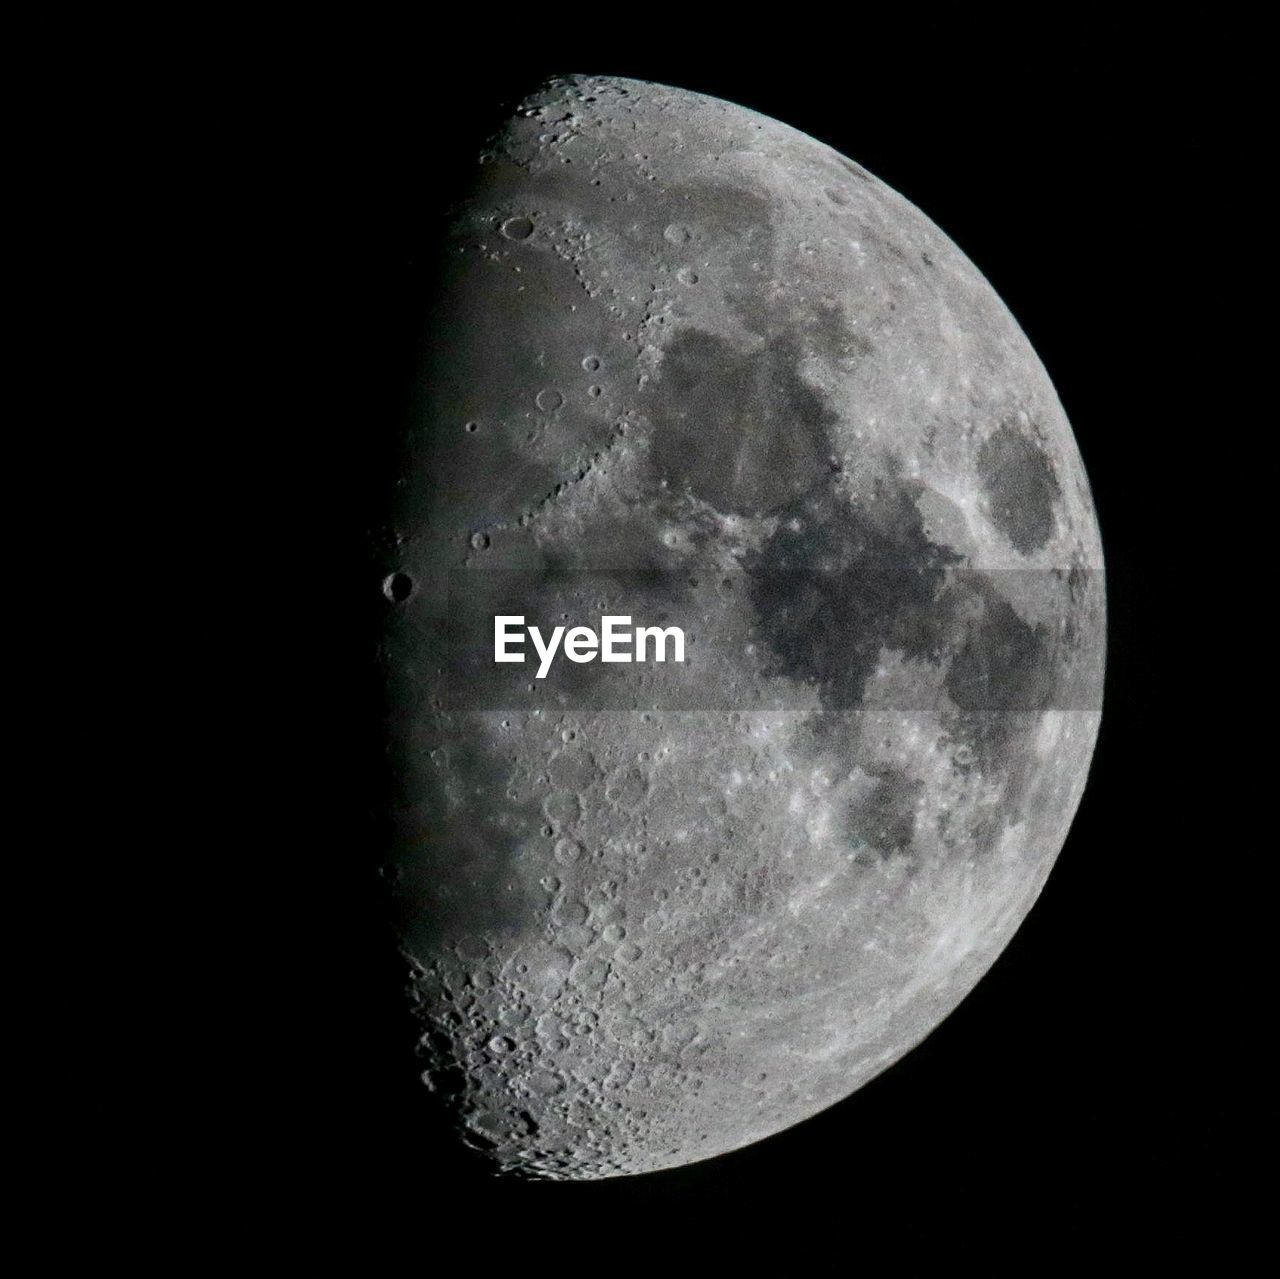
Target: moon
690 366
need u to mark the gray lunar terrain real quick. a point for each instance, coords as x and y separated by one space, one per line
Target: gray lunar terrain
687 363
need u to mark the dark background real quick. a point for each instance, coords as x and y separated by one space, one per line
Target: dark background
1098 1068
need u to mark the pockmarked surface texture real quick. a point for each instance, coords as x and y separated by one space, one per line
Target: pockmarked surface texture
691 365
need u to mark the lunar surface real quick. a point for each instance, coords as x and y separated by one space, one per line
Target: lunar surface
691 366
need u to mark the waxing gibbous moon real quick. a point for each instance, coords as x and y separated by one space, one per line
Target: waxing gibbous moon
691 366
